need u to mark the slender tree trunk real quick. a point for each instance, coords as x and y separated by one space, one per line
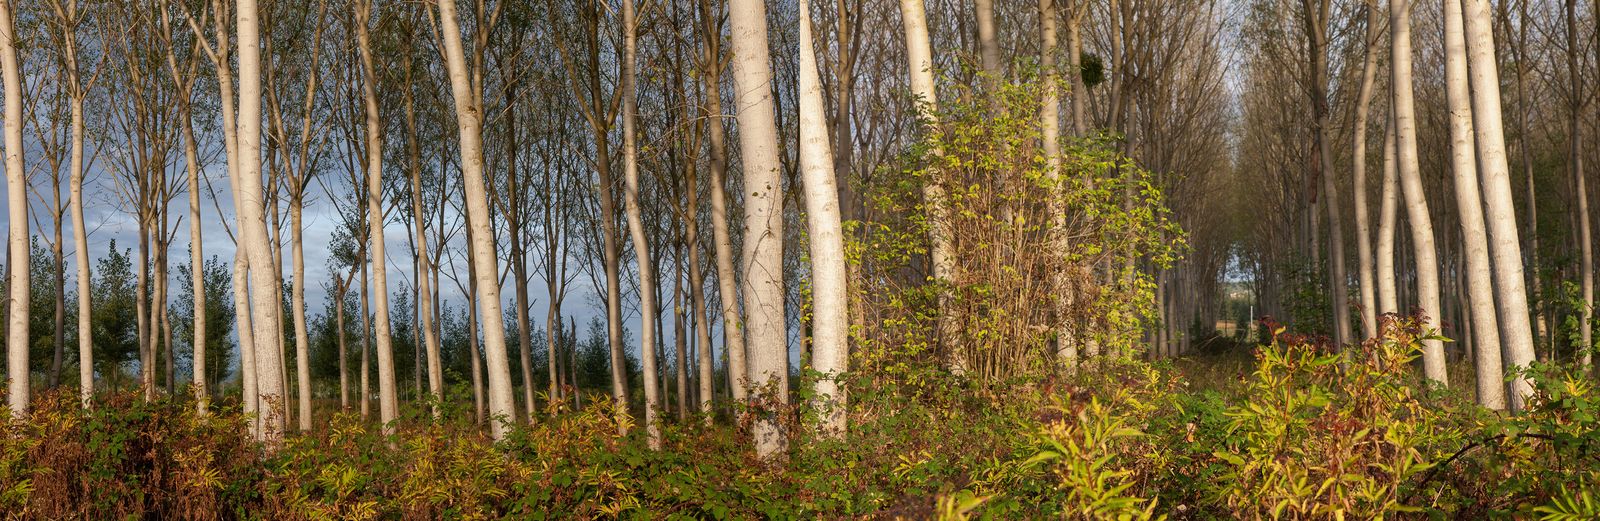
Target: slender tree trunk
1358 169
830 323
302 341
344 367
919 53
988 42
1388 291
1576 149
680 341
58 276
1469 208
1504 245
388 399
473 347
702 330
17 201
191 153
425 288
1413 190
641 243
80 232
469 123
733 326
141 292
265 294
765 320
1080 92
1050 132
366 339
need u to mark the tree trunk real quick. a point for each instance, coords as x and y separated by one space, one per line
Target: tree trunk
1358 169
1388 292
1469 208
641 243
469 124
344 367
988 42
680 342
765 320
425 289
388 399
80 233
733 326
17 201
919 55
1504 246
265 294
366 338
1576 150
1413 190
830 323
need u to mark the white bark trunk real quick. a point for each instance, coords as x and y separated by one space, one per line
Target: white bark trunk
830 322
469 123
1504 244
1358 168
919 56
641 244
1412 189
765 319
1388 291
733 326
17 201
388 395
1469 208
264 293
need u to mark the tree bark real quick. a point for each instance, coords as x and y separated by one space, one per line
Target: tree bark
17 201
1388 291
1358 169
1504 244
919 54
765 320
265 301
733 326
1469 208
1412 189
388 398
425 290
830 323
469 124
1575 157
641 243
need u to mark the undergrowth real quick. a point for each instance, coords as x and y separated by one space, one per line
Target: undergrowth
1302 432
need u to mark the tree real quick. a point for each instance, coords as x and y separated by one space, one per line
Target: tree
830 300
641 244
1358 170
68 18
185 77
1469 208
1412 189
733 324
1504 245
17 201
388 400
919 57
469 123
210 362
265 299
115 317
765 317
